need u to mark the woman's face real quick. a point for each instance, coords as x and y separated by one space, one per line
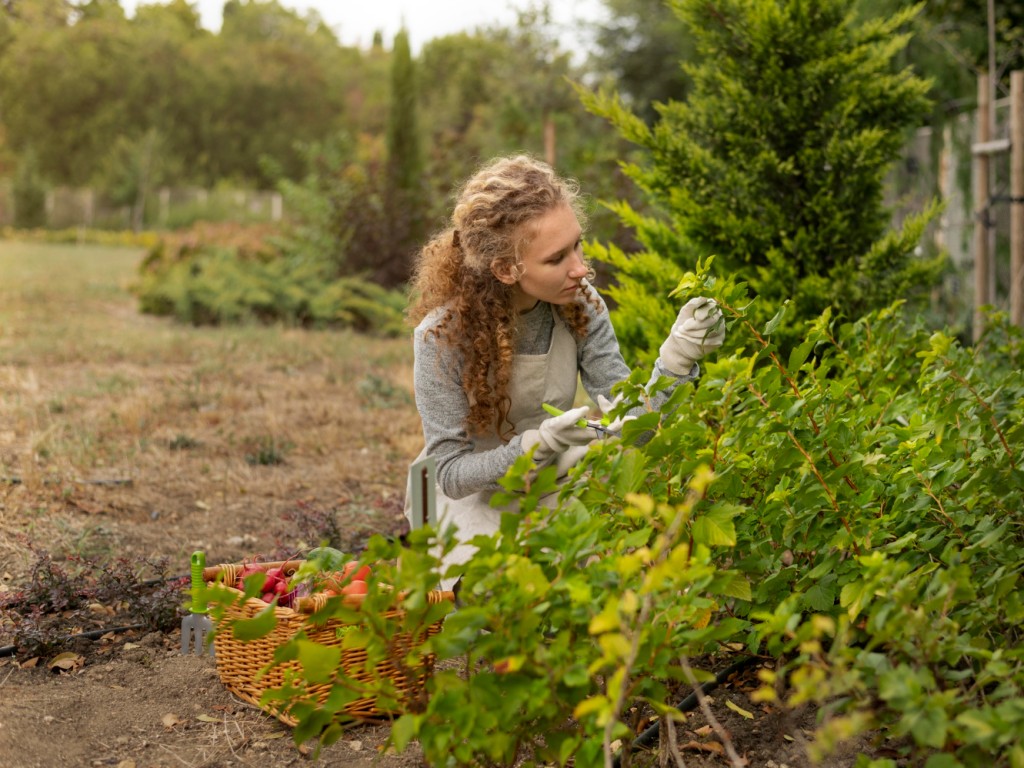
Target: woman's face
552 263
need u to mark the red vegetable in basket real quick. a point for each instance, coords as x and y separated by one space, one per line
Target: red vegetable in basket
275 583
356 587
362 574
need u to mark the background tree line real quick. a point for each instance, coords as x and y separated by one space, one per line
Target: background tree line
366 144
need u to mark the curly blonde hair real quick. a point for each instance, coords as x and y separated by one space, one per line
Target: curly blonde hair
489 231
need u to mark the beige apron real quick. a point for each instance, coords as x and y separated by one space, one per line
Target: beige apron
536 379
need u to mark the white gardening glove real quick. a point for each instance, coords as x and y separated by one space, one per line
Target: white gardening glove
606 406
699 328
557 434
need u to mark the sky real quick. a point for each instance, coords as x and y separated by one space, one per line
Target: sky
355 21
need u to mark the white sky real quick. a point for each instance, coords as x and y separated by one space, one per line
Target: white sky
355 21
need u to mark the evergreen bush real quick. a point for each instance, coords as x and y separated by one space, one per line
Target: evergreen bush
775 163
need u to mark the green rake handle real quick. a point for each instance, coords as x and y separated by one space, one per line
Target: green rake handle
198 590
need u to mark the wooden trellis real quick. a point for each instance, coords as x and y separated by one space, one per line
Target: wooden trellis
982 152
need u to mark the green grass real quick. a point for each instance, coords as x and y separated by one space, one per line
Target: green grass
64 303
59 301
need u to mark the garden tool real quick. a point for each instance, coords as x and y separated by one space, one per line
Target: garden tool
196 627
422 491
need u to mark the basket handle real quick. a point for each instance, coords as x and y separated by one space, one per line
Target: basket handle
230 571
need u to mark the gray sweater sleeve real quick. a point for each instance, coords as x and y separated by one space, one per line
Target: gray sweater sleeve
444 406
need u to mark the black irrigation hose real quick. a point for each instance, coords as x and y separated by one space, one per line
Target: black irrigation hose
648 737
92 634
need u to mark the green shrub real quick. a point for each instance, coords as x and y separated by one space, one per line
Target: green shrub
213 286
228 273
851 509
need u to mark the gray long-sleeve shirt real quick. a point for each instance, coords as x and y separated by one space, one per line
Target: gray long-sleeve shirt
443 404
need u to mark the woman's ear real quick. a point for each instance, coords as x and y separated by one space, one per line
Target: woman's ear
505 273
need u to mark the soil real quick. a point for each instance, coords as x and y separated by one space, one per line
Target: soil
170 439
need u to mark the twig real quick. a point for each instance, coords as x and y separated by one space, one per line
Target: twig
673 746
730 750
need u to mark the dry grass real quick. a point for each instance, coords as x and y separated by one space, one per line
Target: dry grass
142 436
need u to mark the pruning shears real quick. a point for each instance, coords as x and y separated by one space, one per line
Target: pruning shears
597 426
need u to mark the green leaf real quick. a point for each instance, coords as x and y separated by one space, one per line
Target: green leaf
734 585
637 538
715 527
260 625
634 428
319 662
929 725
943 760
772 324
821 597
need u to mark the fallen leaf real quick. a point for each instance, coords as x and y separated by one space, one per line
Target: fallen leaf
202 505
704 730
30 663
129 763
208 718
355 746
66 662
170 720
130 646
705 746
739 710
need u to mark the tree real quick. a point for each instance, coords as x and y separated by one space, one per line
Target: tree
951 44
638 45
29 192
404 166
62 89
775 164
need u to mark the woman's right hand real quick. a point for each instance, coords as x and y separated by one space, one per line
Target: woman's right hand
699 328
557 434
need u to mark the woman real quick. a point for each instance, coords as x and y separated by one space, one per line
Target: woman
506 321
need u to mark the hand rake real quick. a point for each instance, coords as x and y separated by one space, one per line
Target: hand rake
196 627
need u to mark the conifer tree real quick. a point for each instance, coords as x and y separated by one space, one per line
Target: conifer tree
404 161
775 164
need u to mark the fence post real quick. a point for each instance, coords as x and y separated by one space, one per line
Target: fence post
1017 198
981 205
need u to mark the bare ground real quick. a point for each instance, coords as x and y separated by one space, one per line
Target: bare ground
127 436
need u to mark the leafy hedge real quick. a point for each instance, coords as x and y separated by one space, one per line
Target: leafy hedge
851 512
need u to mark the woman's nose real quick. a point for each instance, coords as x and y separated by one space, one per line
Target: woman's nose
578 268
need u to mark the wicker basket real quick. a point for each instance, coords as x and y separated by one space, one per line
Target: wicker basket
239 663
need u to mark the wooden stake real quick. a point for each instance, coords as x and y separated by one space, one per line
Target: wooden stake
981 203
